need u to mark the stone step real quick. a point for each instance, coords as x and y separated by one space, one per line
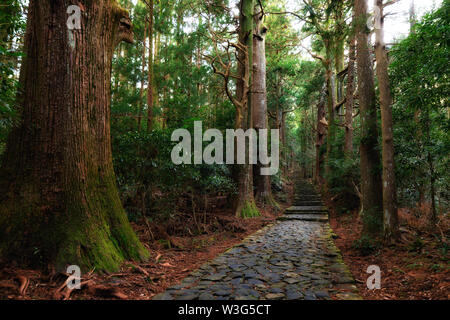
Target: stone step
307 197
300 209
307 203
305 217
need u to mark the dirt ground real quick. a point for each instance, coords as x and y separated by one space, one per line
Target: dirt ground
415 268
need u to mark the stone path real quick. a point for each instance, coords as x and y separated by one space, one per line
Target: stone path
294 258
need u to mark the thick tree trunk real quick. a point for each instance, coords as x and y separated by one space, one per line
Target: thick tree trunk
348 145
390 214
59 203
150 93
263 192
370 159
244 205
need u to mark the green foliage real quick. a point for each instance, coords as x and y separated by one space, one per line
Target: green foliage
146 173
12 24
420 81
365 245
417 245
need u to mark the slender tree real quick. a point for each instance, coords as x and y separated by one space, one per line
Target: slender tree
390 216
321 129
141 92
348 144
150 87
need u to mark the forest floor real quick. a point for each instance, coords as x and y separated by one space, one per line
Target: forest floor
415 268
167 266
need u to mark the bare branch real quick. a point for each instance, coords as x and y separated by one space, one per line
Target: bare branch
390 3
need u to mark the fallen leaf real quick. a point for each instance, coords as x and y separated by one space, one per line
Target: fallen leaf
166 264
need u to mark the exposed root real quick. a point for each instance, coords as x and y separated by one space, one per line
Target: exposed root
24 283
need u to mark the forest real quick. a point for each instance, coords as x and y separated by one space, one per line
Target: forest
126 136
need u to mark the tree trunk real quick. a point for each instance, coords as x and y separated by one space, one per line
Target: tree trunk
370 159
339 49
141 93
412 17
321 130
348 145
59 203
244 205
283 141
390 214
150 92
330 105
156 102
433 218
263 190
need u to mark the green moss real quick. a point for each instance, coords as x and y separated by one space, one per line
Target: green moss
91 230
249 210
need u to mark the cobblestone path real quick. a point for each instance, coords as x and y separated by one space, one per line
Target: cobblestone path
292 259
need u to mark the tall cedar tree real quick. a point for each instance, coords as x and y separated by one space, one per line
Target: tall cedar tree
390 218
371 190
243 174
59 203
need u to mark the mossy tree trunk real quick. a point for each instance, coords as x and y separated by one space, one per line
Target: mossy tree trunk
244 205
371 189
59 204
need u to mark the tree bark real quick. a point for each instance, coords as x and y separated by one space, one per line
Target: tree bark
330 104
412 17
263 192
150 93
321 131
244 204
59 204
348 145
370 159
141 93
390 214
